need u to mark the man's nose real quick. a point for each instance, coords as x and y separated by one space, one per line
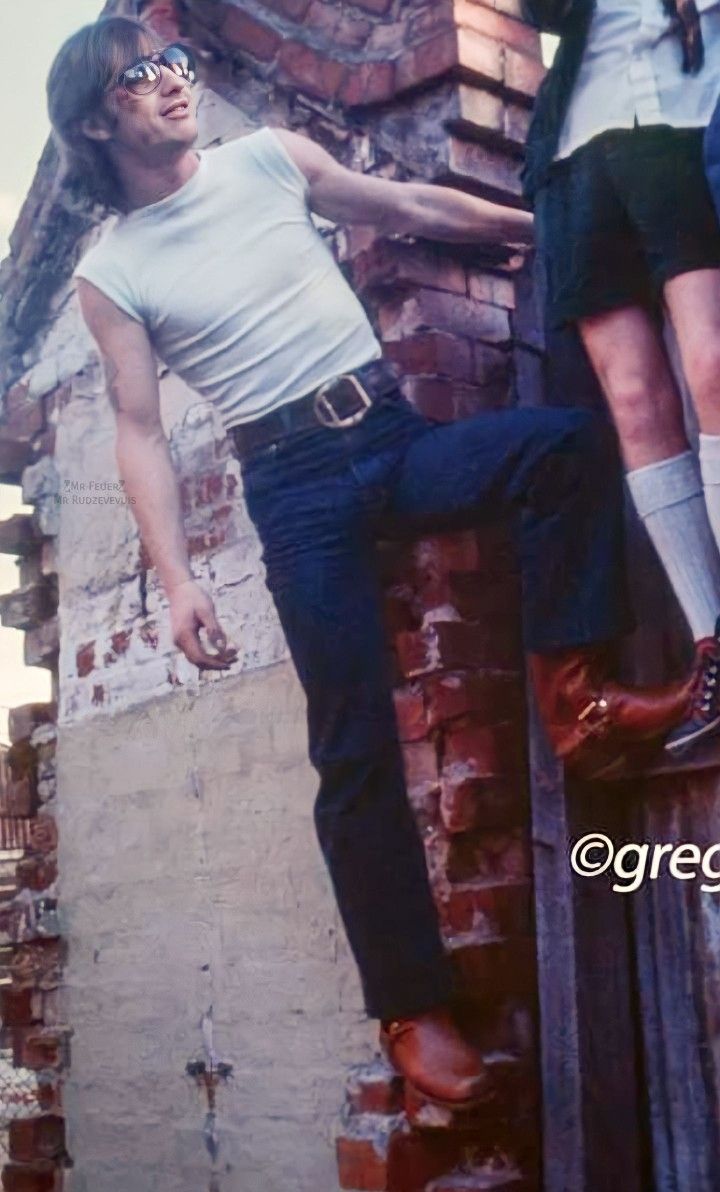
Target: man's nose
169 81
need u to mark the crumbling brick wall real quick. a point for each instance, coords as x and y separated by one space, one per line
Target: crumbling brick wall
440 92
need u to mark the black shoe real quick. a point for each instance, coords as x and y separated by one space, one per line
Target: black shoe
703 718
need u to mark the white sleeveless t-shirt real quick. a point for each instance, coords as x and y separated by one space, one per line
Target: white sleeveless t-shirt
240 294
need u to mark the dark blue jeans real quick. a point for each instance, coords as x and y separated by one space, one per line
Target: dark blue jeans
318 499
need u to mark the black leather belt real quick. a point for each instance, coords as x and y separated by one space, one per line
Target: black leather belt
339 403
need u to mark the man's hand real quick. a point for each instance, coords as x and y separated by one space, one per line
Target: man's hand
190 610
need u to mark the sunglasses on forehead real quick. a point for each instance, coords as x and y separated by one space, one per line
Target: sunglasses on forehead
143 75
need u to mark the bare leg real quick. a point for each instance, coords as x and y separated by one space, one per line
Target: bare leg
693 301
627 352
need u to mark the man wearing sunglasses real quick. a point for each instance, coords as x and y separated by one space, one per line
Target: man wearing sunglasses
214 263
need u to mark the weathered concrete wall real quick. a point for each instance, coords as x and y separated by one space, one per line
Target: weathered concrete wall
192 881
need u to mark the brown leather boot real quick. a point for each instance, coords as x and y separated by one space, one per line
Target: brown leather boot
592 721
436 1061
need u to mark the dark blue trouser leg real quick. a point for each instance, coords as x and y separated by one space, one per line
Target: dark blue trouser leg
317 501
320 564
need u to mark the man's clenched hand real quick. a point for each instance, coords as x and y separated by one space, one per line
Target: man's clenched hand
190 610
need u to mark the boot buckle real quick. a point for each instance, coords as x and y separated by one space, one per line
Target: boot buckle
594 705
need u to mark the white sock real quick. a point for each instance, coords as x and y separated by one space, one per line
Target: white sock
669 497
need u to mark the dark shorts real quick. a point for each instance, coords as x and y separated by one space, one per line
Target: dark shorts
621 216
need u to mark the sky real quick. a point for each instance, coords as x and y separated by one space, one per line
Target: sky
30 33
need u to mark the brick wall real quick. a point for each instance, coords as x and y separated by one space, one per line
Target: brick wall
440 92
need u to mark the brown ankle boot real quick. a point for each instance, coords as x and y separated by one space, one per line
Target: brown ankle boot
592 720
436 1061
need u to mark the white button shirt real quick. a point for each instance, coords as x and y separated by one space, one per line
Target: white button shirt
632 70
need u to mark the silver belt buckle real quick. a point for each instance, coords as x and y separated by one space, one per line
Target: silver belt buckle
323 408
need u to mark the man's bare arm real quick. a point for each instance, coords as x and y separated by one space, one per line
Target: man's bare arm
145 465
410 208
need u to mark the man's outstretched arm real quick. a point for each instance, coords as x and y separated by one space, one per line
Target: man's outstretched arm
146 469
406 208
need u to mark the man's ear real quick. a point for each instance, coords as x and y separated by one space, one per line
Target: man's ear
96 128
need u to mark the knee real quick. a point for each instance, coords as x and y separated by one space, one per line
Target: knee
643 414
703 374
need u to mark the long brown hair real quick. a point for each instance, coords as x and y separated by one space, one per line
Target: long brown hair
84 67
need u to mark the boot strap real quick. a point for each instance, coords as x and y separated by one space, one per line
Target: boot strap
594 713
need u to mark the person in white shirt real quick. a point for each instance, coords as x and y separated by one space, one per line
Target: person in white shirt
627 232
213 263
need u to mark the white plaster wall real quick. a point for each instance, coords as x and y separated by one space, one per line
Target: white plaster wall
191 879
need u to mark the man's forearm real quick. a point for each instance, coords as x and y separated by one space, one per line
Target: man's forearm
147 471
443 213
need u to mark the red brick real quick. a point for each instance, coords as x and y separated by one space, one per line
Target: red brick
488 971
377 6
43 834
421 773
430 60
336 26
473 749
436 353
410 712
522 73
374 1088
163 16
294 9
36 965
431 396
35 1178
460 645
488 857
241 30
438 554
488 287
491 910
314 73
37 1138
479 803
389 264
430 21
38 1048
16 1008
368 83
35 873
24 718
417 652
450 696
494 169
19 794
510 32
481 55
388 38
361 1166
85 659
433 310
417 1157
49 1094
